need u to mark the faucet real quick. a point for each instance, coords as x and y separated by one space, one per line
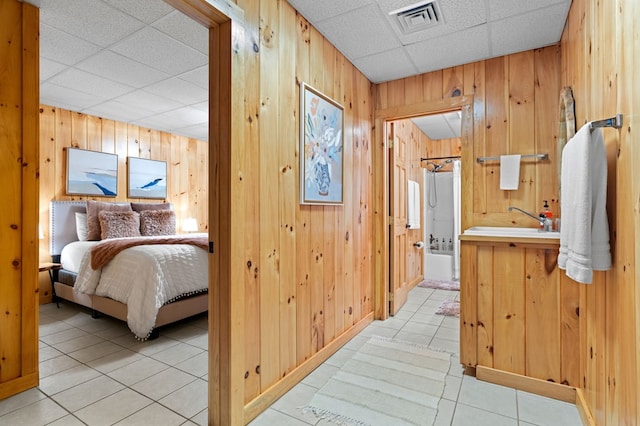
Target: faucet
545 224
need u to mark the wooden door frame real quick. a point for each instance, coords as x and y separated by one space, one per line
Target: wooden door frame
382 256
225 22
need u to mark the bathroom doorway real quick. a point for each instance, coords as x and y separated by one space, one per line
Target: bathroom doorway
394 276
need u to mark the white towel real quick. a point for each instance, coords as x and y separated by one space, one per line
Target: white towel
509 172
413 205
584 234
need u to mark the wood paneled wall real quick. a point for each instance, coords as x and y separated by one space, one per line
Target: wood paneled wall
187 166
514 112
308 268
19 23
600 62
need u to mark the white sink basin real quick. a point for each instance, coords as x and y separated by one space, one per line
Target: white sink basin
504 231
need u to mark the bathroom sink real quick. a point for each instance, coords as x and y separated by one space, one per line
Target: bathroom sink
504 231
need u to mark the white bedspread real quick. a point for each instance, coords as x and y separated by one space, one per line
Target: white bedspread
72 254
145 278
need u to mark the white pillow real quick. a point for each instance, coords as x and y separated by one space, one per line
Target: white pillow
81 226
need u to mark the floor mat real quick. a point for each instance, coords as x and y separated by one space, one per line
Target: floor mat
450 308
441 285
386 382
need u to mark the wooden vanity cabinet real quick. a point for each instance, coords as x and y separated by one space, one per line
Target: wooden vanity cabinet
519 312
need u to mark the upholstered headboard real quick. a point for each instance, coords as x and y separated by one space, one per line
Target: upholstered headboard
63 223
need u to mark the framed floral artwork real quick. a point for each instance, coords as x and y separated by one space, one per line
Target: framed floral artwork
321 147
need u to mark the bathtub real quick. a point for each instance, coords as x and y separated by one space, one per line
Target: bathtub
438 266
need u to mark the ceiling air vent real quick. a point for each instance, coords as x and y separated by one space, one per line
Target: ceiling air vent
417 17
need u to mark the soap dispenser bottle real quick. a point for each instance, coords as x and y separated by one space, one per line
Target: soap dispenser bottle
548 222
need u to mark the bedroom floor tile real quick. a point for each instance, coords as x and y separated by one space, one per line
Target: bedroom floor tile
89 385
96 351
197 365
113 408
176 354
163 383
188 400
138 371
87 393
154 414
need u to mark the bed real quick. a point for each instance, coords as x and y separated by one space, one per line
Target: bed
148 281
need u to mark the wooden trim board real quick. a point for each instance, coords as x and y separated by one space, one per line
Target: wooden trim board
528 384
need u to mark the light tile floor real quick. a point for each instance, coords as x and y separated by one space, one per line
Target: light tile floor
94 372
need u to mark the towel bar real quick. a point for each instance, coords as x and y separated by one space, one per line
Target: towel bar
544 156
608 122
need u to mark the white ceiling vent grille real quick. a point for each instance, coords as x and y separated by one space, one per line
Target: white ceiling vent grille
418 17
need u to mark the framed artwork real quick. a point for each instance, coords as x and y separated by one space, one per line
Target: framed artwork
91 173
146 178
321 146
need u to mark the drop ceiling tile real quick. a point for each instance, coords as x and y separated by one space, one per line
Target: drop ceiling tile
64 97
499 9
199 131
321 10
90 20
458 48
202 106
176 119
438 126
187 116
182 28
49 68
386 66
157 50
144 10
62 47
178 90
116 67
115 110
88 83
199 77
148 102
456 15
360 33
528 31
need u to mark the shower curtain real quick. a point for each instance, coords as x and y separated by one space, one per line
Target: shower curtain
456 217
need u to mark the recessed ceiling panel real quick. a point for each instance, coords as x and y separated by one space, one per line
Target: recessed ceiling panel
360 33
64 48
118 68
90 20
157 50
147 11
386 65
321 10
458 48
528 31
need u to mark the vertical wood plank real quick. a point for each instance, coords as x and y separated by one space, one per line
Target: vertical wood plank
522 129
287 189
542 308
270 38
497 134
570 331
547 90
303 305
485 297
468 305
509 310
316 219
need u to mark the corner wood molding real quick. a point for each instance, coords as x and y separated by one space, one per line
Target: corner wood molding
528 384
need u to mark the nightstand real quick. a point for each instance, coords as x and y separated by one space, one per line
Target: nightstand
50 268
